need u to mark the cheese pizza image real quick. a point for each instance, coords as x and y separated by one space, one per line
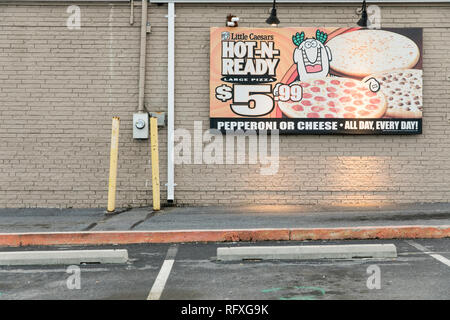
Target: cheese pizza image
360 53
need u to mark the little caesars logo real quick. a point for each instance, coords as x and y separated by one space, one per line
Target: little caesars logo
225 36
242 36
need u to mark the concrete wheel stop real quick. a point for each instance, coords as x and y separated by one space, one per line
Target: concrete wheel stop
63 257
307 252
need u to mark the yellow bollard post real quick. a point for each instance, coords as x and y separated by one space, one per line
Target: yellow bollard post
113 164
155 163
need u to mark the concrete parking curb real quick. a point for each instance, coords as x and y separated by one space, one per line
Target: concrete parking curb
177 236
309 252
62 257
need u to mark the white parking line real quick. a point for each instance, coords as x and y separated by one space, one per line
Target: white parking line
425 250
163 275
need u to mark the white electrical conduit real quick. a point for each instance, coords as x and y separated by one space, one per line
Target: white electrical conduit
132 12
142 56
170 101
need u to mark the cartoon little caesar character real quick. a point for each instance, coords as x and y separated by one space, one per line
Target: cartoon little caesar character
311 56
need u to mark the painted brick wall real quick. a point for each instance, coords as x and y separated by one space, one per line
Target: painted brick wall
59 89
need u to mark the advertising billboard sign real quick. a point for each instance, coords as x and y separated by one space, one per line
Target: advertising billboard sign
316 80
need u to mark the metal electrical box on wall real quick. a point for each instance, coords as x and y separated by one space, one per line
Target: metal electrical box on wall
140 126
160 116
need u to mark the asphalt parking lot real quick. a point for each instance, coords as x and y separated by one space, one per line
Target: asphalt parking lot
420 271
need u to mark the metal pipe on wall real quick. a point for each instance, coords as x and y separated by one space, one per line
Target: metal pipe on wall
132 12
142 55
170 101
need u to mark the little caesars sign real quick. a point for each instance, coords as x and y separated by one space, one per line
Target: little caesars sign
316 80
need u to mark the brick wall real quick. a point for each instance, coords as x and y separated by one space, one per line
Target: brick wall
59 89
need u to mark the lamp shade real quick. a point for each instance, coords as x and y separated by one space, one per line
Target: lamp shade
273 20
363 21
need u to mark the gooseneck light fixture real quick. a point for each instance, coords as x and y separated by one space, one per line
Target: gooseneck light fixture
363 21
273 20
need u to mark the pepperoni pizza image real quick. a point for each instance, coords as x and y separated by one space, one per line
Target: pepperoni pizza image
335 98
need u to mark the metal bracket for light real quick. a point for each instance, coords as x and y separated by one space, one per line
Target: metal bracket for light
273 19
363 21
